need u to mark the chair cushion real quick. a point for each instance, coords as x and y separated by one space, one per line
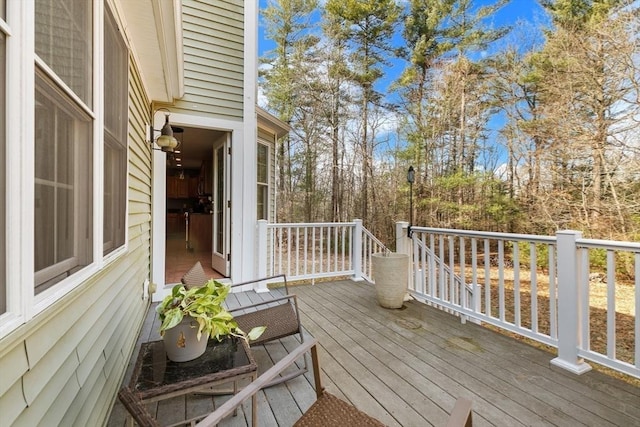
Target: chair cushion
195 276
329 410
281 321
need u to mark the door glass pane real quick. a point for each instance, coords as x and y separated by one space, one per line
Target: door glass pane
220 201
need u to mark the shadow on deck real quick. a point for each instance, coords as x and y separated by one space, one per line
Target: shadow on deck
407 367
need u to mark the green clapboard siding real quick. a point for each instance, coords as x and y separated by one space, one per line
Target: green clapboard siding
66 365
213 34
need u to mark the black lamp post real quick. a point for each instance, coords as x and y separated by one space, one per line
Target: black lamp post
411 176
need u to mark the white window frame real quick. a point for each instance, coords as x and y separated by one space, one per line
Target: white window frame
22 303
78 114
5 31
118 250
264 186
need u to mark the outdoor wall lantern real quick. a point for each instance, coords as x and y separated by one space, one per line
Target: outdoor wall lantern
411 177
166 141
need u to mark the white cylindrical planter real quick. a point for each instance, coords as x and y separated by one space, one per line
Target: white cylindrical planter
390 274
181 342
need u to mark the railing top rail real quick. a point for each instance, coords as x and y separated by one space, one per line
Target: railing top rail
375 239
487 234
446 267
309 224
608 244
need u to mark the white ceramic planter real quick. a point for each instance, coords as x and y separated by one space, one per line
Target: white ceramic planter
390 274
181 342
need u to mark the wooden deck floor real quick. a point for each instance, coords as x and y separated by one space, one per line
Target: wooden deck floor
407 367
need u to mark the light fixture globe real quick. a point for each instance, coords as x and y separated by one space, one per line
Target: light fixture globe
411 175
166 141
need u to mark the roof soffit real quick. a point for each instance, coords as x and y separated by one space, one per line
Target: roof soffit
154 31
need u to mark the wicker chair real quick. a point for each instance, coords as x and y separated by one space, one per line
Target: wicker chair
195 276
136 408
461 414
280 315
327 410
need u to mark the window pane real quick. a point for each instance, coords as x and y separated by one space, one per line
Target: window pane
3 9
115 191
63 184
263 185
115 135
219 198
263 156
263 203
64 42
3 240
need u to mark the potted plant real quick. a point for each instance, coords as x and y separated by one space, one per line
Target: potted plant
191 316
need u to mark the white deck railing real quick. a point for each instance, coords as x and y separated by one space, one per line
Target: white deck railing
316 250
564 291
547 288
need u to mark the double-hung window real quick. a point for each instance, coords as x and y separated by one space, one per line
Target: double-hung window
64 120
67 119
263 181
115 135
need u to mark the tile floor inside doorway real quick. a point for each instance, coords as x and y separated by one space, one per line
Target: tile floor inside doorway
179 259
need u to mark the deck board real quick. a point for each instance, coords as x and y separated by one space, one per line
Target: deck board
407 367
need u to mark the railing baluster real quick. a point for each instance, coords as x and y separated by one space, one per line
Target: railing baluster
501 302
343 245
475 297
452 263
611 305
462 291
586 311
516 284
534 289
423 265
553 298
441 277
487 278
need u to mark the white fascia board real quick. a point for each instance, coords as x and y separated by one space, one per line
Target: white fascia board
270 122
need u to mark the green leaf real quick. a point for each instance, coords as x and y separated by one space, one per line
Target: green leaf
256 332
171 319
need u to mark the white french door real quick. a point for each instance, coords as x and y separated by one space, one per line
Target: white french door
221 245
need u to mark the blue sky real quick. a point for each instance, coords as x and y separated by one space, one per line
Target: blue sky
512 12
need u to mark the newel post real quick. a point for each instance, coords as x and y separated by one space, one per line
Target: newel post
404 245
356 251
262 257
570 311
